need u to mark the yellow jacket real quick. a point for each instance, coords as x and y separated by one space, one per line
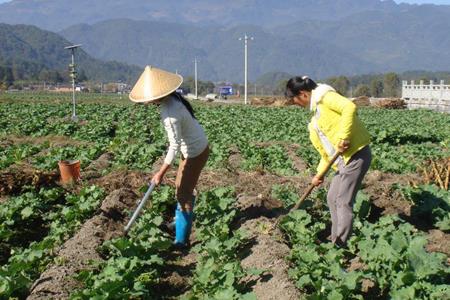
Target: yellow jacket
335 117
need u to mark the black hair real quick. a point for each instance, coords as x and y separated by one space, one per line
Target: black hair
186 103
297 84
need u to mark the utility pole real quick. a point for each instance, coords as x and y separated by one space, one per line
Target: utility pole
73 75
196 78
246 39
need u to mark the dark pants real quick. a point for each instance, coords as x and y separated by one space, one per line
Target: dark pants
187 177
342 193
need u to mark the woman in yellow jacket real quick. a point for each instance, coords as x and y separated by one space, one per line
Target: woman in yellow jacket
335 126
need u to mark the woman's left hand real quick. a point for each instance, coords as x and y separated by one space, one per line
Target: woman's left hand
343 145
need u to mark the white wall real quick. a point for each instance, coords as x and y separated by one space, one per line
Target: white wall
434 96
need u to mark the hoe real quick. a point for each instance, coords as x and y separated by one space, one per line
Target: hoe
139 208
310 188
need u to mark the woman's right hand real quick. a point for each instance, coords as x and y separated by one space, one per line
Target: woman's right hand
157 178
316 181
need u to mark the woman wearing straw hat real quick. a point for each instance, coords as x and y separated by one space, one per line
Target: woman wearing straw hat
184 133
335 126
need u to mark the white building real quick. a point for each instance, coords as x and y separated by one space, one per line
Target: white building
429 96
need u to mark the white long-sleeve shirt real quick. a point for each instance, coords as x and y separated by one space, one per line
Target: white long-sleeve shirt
183 131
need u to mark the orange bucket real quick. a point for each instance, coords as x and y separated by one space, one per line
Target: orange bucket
69 170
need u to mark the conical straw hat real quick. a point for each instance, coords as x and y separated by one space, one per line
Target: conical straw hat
154 84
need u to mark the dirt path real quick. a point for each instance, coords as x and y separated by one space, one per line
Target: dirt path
269 253
75 255
257 213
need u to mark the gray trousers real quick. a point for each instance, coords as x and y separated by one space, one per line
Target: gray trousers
342 193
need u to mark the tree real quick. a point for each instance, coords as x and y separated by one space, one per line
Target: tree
391 85
341 84
82 76
425 80
50 76
362 90
281 87
376 88
204 87
3 86
6 76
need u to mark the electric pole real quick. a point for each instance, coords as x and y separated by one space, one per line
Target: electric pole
196 78
246 39
73 75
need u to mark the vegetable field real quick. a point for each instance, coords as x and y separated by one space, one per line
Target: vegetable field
65 241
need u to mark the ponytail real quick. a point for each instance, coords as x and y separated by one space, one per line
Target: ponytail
186 103
297 84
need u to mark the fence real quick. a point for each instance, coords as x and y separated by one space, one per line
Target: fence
429 96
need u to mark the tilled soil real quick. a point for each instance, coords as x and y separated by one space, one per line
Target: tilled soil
57 281
132 180
95 169
439 241
379 186
13 179
257 213
53 140
269 253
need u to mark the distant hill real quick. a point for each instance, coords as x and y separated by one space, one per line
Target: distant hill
363 43
272 79
320 38
174 46
412 39
58 14
29 50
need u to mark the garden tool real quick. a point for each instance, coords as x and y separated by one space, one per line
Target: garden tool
310 187
139 208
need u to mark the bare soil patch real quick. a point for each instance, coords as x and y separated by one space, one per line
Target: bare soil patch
119 179
53 140
176 278
380 187
268 253
439 241
98 166
57 281
13 179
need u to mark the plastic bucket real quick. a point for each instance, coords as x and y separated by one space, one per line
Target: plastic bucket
69 170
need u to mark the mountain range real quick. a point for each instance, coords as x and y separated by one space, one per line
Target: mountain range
28 50
365 42
320 38
58 14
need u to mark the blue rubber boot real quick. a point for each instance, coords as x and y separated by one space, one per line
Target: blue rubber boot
183 225
171 225
193 216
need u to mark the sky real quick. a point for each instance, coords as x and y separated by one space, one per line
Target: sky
398 1
424 1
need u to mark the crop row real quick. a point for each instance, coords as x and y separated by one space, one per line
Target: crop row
385 259
401 140
32 225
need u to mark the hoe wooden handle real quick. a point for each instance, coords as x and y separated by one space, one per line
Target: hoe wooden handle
312 186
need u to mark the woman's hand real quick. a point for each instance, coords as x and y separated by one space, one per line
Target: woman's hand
343 145
157 178
316 181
